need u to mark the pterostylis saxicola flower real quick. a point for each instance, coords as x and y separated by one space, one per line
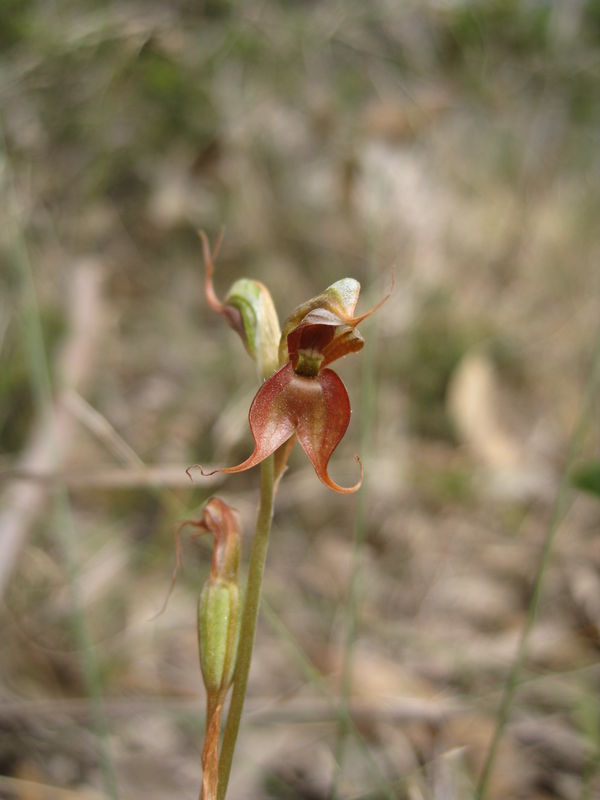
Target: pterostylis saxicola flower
304 398
299 397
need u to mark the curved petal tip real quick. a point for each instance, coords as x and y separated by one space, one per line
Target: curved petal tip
328 481
202 471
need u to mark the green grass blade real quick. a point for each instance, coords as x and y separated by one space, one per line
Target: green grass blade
558 514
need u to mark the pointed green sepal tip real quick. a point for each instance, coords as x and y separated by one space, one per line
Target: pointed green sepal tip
342 296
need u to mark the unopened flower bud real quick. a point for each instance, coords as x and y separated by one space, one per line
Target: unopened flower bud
218 633
219 609
219 604
248 308
259 327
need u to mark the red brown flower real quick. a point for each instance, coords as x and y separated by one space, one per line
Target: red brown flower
304 398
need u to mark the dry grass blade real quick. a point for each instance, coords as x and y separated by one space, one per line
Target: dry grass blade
28 790
21 503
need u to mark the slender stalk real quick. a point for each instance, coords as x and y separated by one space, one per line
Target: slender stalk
251 604
558 513
210 751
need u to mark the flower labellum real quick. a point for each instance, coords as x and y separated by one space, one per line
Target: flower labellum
316 409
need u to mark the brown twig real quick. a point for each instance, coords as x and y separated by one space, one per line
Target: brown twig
155 477
259 711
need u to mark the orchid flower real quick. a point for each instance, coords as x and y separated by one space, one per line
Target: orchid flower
301 398
304 398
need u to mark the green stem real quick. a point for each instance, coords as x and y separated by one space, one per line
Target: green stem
558 513
251 604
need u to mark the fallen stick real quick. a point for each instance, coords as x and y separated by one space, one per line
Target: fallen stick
170 476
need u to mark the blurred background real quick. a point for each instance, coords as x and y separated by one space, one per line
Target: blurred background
450 145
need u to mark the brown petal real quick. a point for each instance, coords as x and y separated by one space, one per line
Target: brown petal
317 409
323 419
230 312
347 340
325 333
270 422
209 265
223 522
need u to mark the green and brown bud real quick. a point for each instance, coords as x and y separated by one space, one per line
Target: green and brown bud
219 614
219 609
249 310
218 633
219 604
